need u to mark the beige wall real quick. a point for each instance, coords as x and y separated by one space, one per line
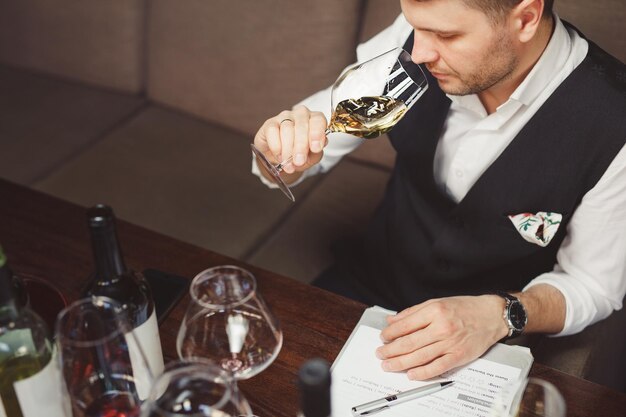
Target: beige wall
238 62
98 42
602 21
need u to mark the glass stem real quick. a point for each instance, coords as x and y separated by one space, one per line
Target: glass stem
279 167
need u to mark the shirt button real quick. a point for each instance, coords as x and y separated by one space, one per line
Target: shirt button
459 173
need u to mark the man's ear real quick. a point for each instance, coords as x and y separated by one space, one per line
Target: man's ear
526 18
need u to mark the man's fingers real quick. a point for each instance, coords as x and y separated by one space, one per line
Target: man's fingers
301 117
404 326
287 132
437 335
417 358
405 345
408 311
286 138
435 368
273 134
317 129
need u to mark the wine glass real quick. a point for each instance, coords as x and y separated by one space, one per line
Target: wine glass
367 99
228 322
41 296
194 388
38 294
538 398
103 366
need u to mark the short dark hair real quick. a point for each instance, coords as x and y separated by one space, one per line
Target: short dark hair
496 10
499 8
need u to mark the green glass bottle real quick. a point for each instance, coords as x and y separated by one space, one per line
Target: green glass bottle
26 353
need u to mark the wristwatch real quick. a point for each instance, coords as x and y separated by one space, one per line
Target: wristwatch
514 315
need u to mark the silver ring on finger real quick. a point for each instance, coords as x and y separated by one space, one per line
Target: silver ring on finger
285 120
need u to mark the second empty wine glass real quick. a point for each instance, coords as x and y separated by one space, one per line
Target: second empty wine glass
196 388
228 322
367 100
538 398
104 368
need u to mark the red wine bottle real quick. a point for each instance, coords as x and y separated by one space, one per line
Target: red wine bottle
113 279
314 385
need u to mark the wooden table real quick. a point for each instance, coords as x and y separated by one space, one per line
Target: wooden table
48 237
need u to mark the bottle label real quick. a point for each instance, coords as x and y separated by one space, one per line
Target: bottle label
41 394
147 334
35 394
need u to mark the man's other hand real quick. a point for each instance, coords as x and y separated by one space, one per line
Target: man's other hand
431 338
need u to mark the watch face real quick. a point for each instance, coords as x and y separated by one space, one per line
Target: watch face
517 315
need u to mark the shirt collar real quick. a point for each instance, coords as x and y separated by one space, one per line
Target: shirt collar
550 63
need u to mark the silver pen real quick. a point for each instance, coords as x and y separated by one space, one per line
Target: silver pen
376 406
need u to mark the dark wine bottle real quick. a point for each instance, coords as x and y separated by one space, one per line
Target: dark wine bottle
113 279
29 378
314 385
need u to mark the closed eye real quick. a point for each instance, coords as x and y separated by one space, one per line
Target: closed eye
447 36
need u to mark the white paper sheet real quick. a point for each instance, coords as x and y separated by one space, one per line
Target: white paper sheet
359 378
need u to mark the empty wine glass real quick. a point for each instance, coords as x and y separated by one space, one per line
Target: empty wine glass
367 100
196 388
39 294
42 296
104 369
538 398
228 322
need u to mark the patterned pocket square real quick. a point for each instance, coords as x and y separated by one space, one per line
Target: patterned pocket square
537 228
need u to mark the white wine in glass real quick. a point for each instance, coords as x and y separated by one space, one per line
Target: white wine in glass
367 99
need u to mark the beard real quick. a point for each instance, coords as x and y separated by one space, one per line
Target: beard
497 64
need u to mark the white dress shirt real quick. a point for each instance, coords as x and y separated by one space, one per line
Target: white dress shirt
591 262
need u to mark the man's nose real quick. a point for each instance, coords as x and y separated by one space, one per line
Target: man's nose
423 49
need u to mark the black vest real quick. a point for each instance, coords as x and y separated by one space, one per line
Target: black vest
421 244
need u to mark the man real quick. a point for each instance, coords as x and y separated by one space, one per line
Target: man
523 122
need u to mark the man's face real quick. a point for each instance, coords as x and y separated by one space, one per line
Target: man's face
460 46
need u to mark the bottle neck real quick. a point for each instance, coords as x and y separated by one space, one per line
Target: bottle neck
8 298
107 253
314 384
